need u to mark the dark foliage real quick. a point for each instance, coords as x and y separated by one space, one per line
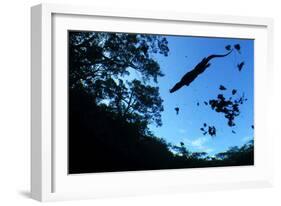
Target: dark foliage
93 147
229 108
244 154
98 61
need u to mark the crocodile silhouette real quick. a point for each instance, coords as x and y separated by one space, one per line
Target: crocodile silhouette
198 69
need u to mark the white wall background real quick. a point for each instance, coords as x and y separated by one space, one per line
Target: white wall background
15 102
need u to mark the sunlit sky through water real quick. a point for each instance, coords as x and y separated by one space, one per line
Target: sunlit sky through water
185 53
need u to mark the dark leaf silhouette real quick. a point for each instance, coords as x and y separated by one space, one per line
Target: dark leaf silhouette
233 131
198 104
177 110
237 47
206 103
228 47
222 87
240 66
234 91
211 130
252 126
193 74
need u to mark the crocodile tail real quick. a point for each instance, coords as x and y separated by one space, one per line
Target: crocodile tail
217 55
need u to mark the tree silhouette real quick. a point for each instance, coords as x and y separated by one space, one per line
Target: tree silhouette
181 150
99 61
244 154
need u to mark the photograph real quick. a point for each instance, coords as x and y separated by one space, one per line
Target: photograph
139 101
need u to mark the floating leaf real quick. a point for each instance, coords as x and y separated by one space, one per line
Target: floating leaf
177 110
222 87
228 47
240 66
212 131
237 47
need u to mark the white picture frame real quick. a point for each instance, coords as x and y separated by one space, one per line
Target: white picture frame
49 178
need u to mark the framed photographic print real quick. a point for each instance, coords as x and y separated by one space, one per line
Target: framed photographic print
135 102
